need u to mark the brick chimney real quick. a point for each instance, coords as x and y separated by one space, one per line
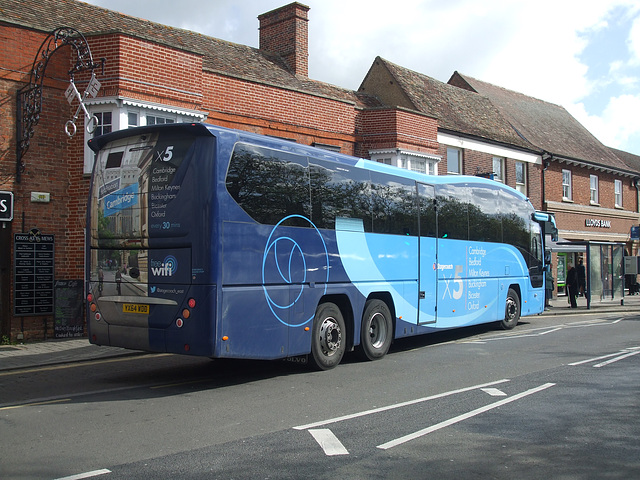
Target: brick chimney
285 32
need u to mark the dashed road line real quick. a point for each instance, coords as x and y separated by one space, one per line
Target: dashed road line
328 441
397 405
81 476
621 355
460 418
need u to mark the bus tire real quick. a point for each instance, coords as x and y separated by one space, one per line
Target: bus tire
328 342
511 310
376 332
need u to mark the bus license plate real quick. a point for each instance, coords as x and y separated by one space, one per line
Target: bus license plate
135 308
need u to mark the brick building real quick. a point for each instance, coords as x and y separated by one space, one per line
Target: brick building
591 189
158 74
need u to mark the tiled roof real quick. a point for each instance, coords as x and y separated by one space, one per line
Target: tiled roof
546 125
219 56
457 110
631 160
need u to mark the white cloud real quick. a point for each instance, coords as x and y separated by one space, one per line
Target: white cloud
617 126
634 42
535 48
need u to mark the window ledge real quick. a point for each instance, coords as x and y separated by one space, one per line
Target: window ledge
594 204
567 200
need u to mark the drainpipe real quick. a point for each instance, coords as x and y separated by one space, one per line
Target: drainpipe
546 161
636 183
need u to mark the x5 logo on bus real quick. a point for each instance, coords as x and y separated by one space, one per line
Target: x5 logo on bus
6 206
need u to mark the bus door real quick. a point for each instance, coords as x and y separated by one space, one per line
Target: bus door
427 255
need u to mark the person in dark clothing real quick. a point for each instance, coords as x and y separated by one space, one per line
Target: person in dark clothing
572 285
582 279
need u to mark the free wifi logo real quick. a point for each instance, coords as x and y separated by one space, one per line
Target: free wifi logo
166 268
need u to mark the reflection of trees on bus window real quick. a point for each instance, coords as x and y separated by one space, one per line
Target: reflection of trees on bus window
339 192
270 185
394 203
267 187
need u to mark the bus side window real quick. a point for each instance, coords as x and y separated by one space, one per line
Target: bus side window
453 211
394 204
268 184
339 191
484 215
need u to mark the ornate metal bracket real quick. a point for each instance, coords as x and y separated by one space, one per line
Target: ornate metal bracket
30 96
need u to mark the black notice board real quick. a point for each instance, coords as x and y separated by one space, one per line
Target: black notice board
33 273
69 299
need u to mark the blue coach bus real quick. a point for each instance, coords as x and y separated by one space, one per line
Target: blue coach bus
208 241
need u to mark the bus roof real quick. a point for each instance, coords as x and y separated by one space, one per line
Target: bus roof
201 129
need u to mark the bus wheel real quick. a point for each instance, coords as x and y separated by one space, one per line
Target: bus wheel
511 311
377 330
328 343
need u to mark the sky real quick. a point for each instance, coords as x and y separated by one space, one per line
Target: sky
581 54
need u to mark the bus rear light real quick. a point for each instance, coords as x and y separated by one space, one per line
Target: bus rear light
192 303
93 307
98 316
90 297
187 347
225 338
186 313
179 323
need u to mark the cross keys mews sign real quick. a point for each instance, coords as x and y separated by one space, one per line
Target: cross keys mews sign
6 206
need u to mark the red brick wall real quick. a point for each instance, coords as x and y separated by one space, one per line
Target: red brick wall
140 70
284 31
397 128
275 111
50 164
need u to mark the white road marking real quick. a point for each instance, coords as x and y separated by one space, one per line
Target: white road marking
329 442
588 360
80 476
616 359
627 352
536 332
494 392
460 418
397 405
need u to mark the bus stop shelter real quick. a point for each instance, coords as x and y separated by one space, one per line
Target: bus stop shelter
604 268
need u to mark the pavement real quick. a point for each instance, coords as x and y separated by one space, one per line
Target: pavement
73 350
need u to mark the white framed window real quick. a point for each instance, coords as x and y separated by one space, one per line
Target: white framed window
498 169
566 185
159 120
415 161
132 119
618 193
521 177
105 123
117 113
454 161
593 186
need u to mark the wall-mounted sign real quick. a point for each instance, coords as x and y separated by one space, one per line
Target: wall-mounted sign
6 206
33 273
69 321
597 223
